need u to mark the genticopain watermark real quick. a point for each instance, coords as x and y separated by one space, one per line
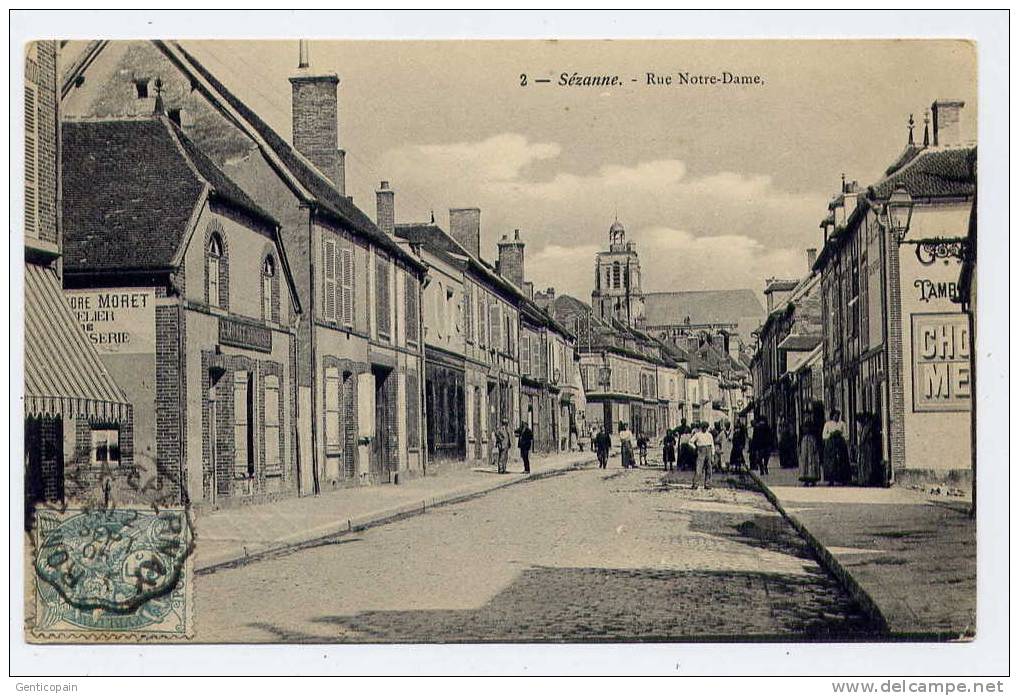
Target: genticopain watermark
48 687
916 686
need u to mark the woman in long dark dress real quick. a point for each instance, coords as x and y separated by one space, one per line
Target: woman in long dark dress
739 442
810 453
669 450
787 455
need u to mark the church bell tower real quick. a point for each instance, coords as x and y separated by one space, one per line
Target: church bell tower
617 291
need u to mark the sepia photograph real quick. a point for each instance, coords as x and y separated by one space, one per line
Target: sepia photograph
447 341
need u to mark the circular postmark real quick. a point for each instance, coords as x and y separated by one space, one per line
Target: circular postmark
115 560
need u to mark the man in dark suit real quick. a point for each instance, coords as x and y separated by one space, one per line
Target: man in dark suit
525 438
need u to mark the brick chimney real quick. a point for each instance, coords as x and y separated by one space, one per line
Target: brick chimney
947 122
511 259
385 211
315 117
811 258
465 228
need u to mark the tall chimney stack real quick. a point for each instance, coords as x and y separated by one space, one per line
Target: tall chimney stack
511 259
947 122
385 211
465 228
315 116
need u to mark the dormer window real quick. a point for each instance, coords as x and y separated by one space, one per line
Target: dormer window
141 88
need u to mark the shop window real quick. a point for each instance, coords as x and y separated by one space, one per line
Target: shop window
244 461
106 446
268 279
214 269
271 425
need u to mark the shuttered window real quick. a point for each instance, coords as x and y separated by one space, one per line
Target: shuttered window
271 425
244 462
31 160
346 272
469 311
410 294
482 320
334 441
413 394
329 279
382 300
495 322
525 354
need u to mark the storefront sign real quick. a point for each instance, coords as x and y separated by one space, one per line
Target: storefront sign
941 290
243 335
941 362
118 321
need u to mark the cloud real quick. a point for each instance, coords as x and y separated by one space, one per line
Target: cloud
720 229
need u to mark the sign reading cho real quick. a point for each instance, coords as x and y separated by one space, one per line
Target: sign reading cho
941 365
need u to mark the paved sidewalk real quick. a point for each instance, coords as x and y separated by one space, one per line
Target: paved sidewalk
909 558
237 535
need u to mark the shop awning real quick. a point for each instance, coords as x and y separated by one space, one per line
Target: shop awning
63 373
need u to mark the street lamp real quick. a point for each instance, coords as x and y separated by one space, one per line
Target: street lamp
898 211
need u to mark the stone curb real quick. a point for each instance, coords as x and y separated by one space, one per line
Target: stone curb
827 559
312 537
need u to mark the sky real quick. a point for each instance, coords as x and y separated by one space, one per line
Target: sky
719 186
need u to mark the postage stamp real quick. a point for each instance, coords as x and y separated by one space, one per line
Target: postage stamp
112 575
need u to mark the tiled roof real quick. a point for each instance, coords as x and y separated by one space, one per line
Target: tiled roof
702 307
130 189
932 173
321 190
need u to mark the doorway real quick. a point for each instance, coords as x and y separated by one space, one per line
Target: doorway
385 442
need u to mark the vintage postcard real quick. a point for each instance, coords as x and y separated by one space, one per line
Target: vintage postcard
531 341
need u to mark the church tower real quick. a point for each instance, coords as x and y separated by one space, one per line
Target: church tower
617 291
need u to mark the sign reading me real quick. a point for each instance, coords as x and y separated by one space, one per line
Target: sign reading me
941 362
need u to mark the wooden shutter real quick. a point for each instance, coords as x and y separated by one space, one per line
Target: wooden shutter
334 443
495 324
271 425
347 286
329 279
410 293
482 320
525 354
382 302
31 161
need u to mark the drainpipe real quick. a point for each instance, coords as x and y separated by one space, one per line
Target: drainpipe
311 343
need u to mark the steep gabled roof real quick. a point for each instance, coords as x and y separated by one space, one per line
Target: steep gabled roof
932 173
701 307
307 182
132 189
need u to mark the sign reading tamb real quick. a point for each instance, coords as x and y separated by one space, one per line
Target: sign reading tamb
942 378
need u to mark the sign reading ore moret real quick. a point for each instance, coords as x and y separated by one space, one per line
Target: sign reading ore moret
116 320
941 365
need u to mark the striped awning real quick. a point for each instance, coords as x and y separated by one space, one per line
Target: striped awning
63 373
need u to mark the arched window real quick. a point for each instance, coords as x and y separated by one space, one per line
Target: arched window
268 278
214 261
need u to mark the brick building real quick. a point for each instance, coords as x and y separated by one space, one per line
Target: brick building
185 287
359 357
78 421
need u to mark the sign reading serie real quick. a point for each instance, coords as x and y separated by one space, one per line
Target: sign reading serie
941 362
117 320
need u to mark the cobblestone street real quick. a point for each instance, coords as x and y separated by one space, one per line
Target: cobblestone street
590 555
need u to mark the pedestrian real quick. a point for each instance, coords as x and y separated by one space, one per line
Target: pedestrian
642 445
705 445
739 441
762 442
502 445
626 446
669 450
835 449
525 437
871 466
787 455
716 453
687 459
810 453
602 444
